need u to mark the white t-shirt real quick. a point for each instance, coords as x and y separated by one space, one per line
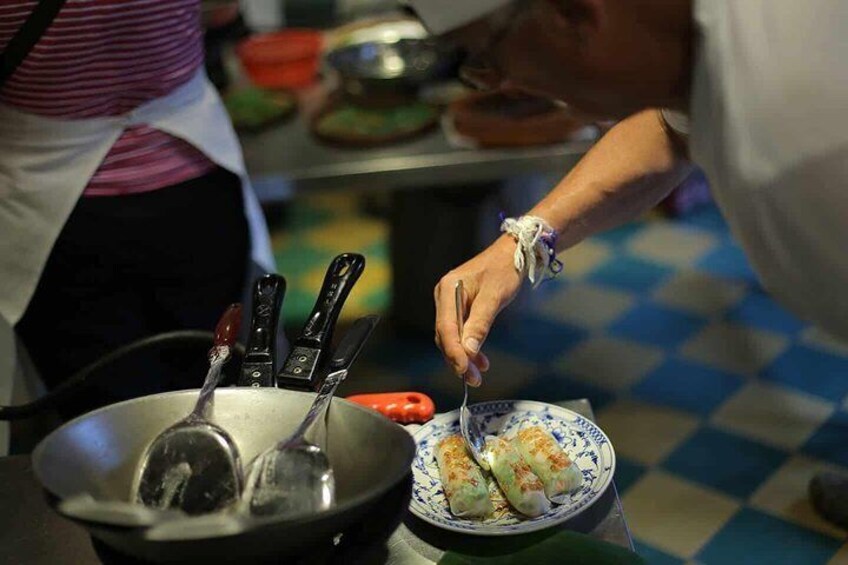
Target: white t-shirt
769 127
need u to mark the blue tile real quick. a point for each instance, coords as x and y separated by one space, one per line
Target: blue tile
727 261
630 273
811 370
654 556
412 358
620 236
759 310
657 325
724 461
688 386
753 538
555 386
830 442
534 339
549 287
626 474
708 217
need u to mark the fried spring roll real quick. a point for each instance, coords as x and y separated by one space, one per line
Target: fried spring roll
522 488
462 479
548 461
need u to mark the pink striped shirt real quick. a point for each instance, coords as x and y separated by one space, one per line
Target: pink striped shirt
104 58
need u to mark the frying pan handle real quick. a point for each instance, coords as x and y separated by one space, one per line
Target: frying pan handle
401 407
95 373
258 367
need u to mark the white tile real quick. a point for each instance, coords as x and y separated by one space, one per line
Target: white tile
675 515
735 348
586 305
700 293
644 432
609 362
669 244
584 258
815 337
784 494
773 414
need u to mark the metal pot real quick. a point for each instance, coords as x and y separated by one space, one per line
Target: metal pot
98 453
390 71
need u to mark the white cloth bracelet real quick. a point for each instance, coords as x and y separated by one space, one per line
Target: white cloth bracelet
535 251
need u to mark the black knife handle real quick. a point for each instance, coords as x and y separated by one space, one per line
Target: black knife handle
301 368
342 274
258 364
352 342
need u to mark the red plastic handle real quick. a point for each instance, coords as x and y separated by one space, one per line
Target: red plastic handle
227 330
401 407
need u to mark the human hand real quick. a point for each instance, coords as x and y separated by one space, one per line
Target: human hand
490 282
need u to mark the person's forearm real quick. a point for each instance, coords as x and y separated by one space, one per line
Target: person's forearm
631 169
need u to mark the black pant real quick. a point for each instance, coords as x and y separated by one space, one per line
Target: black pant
126 267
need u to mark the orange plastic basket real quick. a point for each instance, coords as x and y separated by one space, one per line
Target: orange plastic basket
283 59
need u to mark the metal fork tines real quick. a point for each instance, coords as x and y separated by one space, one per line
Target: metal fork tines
468 426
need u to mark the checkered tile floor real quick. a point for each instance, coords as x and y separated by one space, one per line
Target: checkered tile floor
721 404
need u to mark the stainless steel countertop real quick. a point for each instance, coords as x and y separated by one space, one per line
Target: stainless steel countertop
286 159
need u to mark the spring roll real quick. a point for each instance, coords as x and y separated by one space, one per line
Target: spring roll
548 461
462 479
522 488
500 505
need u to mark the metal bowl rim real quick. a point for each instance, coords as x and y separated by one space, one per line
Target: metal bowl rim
374 493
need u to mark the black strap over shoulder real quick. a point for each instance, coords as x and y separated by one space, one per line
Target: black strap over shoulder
27 36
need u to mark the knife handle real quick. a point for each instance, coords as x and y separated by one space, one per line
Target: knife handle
352 343
342 274
258 364
308 353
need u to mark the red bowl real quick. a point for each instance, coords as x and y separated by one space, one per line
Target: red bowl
283 59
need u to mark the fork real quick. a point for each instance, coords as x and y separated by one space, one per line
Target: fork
468 426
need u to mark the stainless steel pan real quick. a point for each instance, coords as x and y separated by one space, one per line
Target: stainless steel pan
98 453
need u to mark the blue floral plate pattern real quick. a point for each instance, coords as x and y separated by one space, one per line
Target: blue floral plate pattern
586 445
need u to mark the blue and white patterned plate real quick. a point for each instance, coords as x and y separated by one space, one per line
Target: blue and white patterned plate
586 445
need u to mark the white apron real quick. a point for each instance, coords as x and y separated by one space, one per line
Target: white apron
46 163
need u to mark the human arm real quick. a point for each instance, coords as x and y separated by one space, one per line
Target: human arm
633 167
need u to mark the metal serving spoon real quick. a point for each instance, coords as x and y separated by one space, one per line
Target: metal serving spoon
194 465
294 477
468 426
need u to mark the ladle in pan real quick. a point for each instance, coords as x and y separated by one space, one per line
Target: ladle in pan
194 465
294 477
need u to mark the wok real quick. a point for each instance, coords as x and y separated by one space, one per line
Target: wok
98 453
